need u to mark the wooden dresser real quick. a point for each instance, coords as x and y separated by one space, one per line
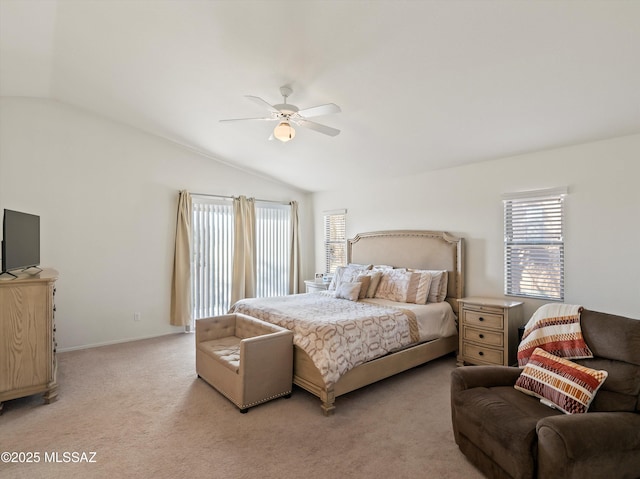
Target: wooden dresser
27 336
488 330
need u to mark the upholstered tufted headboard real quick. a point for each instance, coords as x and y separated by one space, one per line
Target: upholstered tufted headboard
415 249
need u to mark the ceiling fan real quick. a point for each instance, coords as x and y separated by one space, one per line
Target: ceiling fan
286 115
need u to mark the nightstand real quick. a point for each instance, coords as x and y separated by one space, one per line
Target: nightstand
488 330
312 286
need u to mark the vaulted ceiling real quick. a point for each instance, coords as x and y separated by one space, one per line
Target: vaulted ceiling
422 85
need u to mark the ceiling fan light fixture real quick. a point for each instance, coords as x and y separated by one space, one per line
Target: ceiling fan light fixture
284 132
286 114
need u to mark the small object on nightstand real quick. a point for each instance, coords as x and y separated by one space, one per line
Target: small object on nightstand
312 286
488 330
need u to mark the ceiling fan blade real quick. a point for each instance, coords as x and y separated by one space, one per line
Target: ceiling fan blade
327 130
253 119
264 104
320 110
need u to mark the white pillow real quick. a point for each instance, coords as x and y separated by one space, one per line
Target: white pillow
365 267
382 267
347 290
444 284
337 276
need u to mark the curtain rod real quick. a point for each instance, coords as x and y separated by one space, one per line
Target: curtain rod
232 197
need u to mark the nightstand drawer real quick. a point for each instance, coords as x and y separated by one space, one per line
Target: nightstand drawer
482 336
312 286
482 319
482 354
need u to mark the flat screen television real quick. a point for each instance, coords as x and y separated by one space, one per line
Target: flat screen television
20 240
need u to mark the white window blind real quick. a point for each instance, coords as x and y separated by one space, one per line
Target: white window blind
335 240
273 247
534 244
212 251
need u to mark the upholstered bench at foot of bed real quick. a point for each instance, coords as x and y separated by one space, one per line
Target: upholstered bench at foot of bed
248 360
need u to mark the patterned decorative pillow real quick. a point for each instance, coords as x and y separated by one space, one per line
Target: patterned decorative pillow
365 280
439 283
438 290
404 286
393 285
369 285
376 276
346 273
348 291
422 281
569 386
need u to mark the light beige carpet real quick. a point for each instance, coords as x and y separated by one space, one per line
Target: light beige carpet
140 407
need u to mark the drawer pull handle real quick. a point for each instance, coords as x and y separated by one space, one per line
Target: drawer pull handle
481 336
480 353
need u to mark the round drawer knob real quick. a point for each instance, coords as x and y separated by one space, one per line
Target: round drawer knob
480 353
481 336
480 318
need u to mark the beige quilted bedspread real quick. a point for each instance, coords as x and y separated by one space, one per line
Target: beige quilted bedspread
337 334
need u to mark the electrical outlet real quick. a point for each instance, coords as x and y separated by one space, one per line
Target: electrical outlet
136 316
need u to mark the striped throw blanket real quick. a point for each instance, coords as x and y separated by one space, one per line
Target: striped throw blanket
556 329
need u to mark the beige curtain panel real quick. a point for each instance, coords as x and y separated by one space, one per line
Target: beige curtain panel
243 284
294 266
181 279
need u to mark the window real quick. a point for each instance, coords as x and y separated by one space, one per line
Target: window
212 252
534 244
335 240
273 247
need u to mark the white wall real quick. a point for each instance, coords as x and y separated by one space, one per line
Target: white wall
602 217
107 196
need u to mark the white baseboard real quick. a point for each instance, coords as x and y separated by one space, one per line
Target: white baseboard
117 341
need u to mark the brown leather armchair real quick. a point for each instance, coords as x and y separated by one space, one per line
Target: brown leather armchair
508 434
248 360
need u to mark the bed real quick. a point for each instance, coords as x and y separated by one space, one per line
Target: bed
403 335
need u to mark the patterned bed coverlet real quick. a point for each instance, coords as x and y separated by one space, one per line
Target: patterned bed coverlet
337 334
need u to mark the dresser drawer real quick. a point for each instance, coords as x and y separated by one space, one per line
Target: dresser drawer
481 354
483 319
484 337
